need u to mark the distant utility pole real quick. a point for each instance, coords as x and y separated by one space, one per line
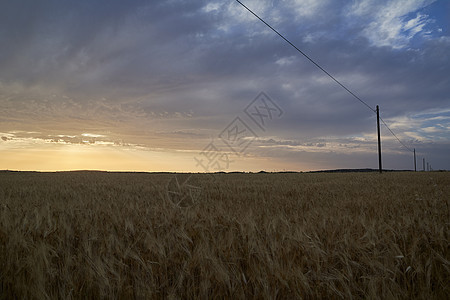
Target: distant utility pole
379 140
415 166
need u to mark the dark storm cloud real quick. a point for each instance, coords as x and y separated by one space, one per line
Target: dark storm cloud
177 65
51 41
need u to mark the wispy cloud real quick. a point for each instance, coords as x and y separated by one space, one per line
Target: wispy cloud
392 23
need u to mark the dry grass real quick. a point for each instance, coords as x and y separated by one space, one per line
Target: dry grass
105 235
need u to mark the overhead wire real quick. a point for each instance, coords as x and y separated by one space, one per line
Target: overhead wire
392 132
321 68
309 58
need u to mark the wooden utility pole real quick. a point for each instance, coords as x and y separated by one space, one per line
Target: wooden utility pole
415 166
379 140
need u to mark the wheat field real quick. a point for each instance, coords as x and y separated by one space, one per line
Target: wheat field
96 235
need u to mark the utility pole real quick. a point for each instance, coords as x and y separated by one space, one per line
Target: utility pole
415 166
379 140
424 163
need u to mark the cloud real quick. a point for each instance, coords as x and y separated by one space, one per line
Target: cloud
173 74
392 24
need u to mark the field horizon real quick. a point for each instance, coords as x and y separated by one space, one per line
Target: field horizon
346 170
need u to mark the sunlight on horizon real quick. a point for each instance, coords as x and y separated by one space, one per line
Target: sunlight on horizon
50 158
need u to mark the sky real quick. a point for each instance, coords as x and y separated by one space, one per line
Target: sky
195 86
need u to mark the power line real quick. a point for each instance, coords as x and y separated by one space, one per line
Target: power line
305 55
409 149
322 69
